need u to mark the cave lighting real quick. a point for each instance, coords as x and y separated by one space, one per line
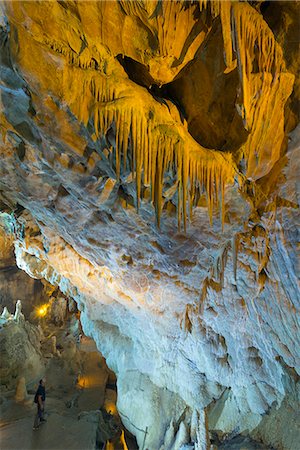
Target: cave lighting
110 408
110 446
122 440
42 310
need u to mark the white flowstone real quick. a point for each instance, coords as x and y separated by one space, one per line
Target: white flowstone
194 425
202 434
191 318
182 437
169 436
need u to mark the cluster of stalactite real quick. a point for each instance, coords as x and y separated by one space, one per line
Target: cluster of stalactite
158 144
170 22
248 43
266 85
84 60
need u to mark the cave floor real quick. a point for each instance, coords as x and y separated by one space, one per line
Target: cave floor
61 431
76 390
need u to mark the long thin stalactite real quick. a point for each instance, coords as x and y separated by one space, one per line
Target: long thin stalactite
146 134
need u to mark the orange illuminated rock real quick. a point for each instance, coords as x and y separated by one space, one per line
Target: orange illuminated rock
78 44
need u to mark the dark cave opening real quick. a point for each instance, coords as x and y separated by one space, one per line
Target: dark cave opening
198 93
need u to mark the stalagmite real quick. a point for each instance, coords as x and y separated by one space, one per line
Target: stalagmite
18 312
6 314
53 345
21 391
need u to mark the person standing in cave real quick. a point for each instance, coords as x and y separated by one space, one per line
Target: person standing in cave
39 399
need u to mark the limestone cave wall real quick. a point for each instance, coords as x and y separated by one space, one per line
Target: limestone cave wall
149 163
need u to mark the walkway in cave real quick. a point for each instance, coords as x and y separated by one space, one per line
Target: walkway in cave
71 418
94 378
80 398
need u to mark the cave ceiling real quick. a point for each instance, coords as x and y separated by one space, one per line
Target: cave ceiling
185 96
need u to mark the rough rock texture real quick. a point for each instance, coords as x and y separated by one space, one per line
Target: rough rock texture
14 283
20 351
104 103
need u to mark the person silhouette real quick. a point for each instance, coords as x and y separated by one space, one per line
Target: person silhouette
39 399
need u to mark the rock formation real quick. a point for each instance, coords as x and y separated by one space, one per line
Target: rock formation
14 281
148 168
21 358
21 391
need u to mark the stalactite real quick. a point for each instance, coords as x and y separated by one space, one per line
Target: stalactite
182 437
203 442
253 36
220 264
91 94
225 14
235 249
154 149
169 436
171 26
266 84
186 323
194 425
266 119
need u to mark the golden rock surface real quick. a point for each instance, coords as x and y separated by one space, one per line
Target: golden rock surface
126 65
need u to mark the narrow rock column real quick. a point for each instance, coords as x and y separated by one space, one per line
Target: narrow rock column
21 391
203 442
53 345
6 314
18 311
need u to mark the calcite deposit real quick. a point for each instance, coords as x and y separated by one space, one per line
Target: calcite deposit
14 280
20 349
149 162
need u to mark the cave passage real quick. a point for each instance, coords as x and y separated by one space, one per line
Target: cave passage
149 202
44 338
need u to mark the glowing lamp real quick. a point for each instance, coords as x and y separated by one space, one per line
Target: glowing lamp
110 407
42 310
